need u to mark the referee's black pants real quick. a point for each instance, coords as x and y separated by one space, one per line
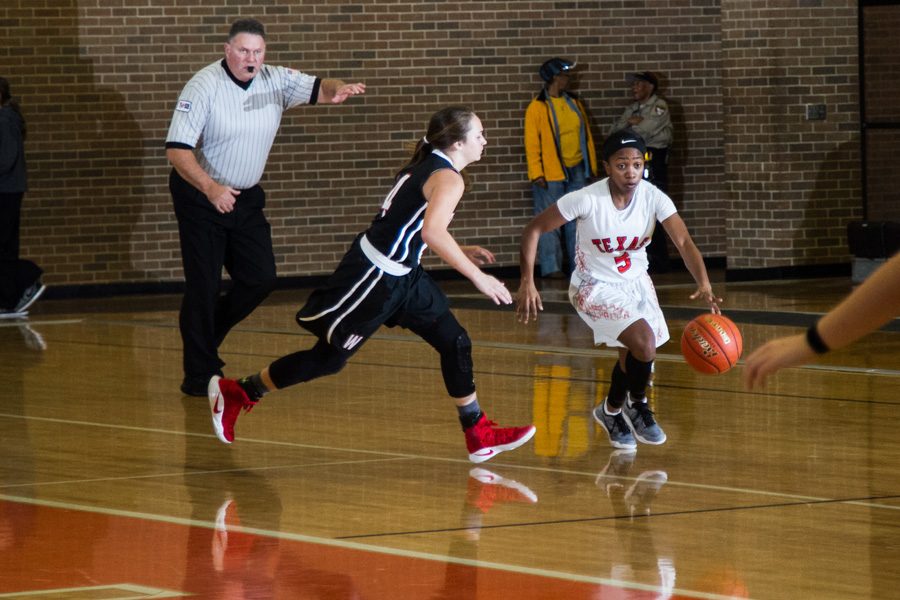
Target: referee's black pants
240 241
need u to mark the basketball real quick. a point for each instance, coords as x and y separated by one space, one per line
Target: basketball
711 344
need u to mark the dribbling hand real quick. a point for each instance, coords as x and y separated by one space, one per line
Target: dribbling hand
707 295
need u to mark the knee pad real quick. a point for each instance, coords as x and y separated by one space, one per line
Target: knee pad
462 352
449 338
456 366
332 361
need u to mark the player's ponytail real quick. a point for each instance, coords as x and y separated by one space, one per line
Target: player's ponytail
446 127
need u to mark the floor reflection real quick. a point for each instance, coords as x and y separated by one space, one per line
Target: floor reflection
486 492
631 491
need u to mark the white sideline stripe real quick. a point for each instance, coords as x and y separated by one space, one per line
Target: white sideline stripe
348 545
532 348
142 591
401 456
330 463
36 323
566 351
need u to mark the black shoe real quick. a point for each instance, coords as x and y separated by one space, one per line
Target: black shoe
195 386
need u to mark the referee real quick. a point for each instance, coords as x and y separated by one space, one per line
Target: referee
219 140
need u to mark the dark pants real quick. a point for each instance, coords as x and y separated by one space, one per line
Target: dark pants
240 241
556 249
657 251
16 274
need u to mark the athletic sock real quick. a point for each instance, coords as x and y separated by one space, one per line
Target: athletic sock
632 401
253 385
469 414
618 388
638 374
607 411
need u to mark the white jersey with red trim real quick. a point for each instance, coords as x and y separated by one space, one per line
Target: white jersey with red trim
611 243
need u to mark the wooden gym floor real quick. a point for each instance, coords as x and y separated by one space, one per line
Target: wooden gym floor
358 485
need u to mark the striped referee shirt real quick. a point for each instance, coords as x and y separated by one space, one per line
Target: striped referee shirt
231 123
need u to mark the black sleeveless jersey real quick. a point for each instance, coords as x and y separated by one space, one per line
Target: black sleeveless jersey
396 231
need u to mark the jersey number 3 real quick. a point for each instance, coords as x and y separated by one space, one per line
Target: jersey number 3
623 262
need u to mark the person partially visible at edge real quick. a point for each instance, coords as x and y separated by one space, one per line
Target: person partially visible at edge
873 304
20 279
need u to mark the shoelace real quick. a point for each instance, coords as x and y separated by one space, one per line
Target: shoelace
645 413
619 422
498 435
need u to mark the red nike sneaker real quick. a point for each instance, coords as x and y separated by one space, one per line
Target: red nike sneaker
485 440
226 399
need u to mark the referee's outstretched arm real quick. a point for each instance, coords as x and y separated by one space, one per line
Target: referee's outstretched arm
335 91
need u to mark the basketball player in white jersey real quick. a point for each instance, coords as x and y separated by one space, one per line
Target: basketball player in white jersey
610 288
380 281
222 130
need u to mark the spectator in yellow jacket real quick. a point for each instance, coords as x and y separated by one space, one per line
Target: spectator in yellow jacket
559 149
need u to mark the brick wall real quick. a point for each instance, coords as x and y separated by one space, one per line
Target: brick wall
98 81
792 183
882 99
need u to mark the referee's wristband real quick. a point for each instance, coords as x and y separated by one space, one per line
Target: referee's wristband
815 341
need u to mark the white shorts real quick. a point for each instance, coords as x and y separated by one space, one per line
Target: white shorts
609 308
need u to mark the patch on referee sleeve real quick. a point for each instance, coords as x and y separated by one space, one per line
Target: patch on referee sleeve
184 106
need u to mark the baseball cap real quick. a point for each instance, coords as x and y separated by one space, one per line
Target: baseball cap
644 76
622 139
554 67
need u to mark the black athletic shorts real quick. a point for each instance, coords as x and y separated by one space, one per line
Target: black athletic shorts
358 298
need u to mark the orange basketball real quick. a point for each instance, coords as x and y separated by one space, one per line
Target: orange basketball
711 344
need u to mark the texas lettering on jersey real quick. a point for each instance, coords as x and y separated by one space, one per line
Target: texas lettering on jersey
607 245
623 245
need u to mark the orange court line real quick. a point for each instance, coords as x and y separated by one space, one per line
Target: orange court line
51 548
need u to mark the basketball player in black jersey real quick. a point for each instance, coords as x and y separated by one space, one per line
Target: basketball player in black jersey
380 281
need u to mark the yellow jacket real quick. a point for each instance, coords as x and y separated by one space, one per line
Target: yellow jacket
541 152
